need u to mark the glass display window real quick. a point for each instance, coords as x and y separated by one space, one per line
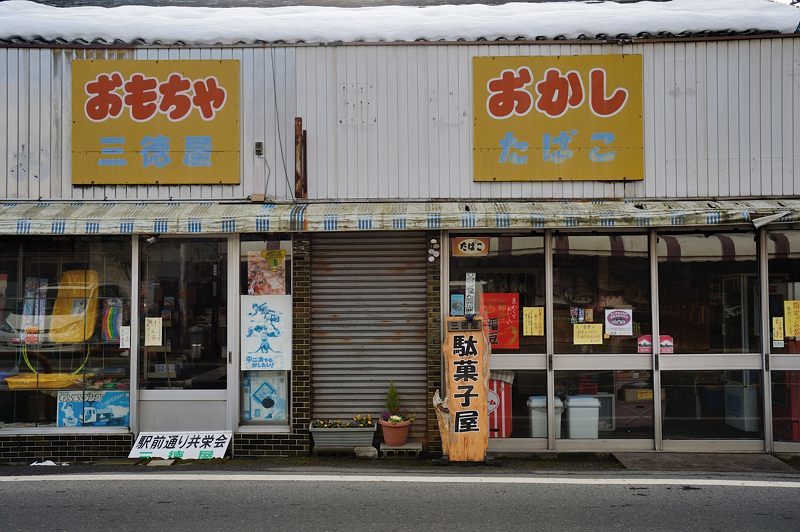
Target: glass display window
783 250
517 404
265 266
502 277
183 314
786 406
725 404
709 292
604 404
601 293
65 310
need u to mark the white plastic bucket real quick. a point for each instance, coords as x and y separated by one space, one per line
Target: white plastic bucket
538 409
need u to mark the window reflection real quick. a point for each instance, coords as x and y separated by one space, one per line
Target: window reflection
712 404
708 292
783 249
183 289
605 404
598 279
786 405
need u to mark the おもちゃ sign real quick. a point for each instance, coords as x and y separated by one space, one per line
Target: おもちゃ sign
155 122
552 118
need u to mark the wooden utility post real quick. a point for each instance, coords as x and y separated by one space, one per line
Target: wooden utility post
300 165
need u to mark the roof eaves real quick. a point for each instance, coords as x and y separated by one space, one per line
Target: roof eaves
622 38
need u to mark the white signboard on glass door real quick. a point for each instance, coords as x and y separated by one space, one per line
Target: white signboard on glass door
266 335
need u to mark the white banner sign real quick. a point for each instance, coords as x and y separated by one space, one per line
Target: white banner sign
266 332
182 445
469 293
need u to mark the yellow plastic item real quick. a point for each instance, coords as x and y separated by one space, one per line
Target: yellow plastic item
45 381
75 309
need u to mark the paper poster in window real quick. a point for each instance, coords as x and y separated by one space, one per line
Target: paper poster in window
619 322
500 312
266 332
791 315
266 272
456 304
93 408
264 395
152 332
533 321
587 334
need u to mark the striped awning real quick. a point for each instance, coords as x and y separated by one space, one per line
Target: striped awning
209 217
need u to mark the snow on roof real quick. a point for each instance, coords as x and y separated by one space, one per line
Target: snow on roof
28 21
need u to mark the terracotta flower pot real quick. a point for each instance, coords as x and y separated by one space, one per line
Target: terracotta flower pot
395 434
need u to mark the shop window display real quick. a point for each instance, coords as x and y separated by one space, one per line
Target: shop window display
517 404
604 404
708 292
712 404
507 273
64 332
265 293
601 294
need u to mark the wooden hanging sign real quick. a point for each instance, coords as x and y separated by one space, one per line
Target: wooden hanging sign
463 413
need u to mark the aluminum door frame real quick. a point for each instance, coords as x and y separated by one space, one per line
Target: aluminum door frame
232 317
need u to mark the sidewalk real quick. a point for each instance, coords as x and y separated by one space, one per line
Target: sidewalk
616 464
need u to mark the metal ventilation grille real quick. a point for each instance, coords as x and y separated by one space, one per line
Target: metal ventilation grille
368 323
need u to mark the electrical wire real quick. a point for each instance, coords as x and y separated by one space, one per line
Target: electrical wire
278 125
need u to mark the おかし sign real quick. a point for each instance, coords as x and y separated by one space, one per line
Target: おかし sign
551 118
155 122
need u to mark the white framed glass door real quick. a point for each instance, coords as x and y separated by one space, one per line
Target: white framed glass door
709 351
603 378
783 343
184 339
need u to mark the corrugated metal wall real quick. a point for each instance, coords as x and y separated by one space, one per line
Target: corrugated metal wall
368 324
36 124
721 119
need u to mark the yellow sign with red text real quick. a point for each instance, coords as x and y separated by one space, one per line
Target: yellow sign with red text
552 118
155 122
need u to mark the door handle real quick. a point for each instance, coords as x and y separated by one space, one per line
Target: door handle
230 356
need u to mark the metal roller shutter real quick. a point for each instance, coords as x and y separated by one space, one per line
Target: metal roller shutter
368 323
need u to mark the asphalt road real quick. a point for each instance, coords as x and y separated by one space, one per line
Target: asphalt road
370 501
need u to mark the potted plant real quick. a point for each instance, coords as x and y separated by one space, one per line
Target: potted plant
395 422
338 434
